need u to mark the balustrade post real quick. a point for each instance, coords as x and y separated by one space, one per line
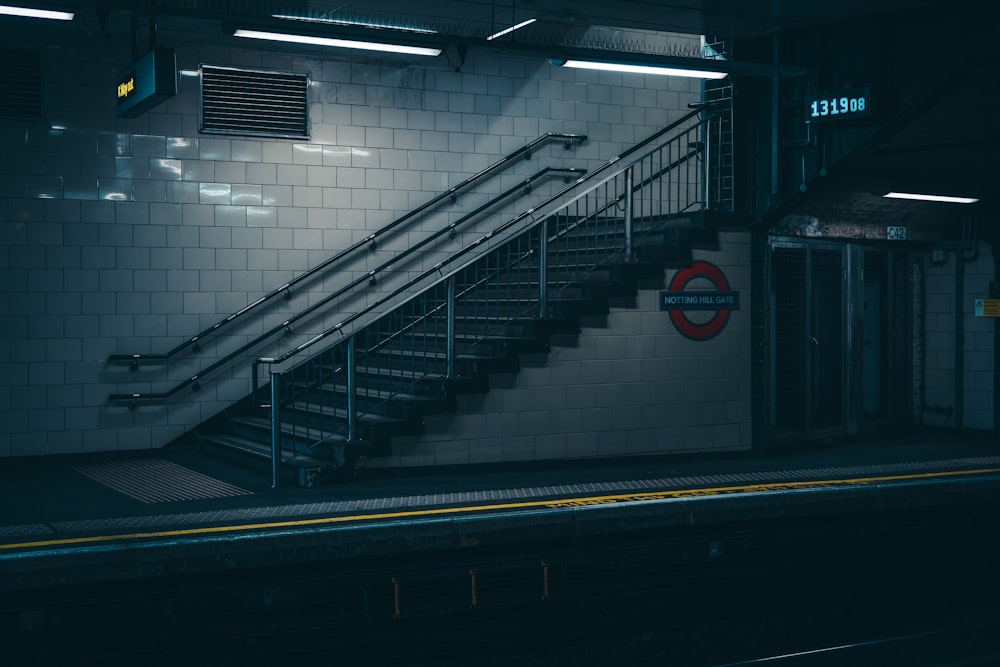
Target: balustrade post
628 214
451 327
275 429
706 152
352 391
543 267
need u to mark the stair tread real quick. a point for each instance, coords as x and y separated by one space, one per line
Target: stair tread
377 393
339 413
263 450
307 432
443 356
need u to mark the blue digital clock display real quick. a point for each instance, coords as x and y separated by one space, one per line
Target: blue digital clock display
841 105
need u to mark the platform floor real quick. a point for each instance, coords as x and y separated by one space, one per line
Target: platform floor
876 553
50 502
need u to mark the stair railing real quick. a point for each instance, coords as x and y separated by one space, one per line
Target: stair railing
638 193
371 241
371 278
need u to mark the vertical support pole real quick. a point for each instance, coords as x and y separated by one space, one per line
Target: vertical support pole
854 338
629 178
135 38
451 326
543 267
396 608
255 383
959 337
275 429
994 293
475 593
352 391
775 99
545 580
706 165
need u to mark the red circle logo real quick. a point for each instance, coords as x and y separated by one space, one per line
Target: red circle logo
722 300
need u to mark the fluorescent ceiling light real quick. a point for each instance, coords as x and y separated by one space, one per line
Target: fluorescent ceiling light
641 69
941 198
359 24
36 13
339 43
507 31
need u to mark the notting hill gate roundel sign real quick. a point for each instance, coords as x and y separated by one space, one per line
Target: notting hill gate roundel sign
721 300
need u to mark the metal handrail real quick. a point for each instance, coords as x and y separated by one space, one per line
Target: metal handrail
414 319
369 277
370 241
438 268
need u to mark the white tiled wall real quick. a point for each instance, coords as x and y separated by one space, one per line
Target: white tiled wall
632 385
940 340
129 236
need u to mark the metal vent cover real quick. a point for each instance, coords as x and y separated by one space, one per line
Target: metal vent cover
254 102
20 84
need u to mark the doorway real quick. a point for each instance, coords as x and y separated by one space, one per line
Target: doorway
837 364
807 321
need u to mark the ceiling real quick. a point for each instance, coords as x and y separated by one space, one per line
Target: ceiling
948 144
730 18
470 18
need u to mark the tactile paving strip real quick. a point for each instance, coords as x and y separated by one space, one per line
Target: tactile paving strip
26 530
371 505
158 481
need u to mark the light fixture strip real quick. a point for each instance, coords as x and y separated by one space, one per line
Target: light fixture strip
643 69
35 13
359 24
938 198
507 31
338 43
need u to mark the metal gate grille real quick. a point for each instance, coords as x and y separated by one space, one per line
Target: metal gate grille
719 93
826 338
721 162
254 102
808 340
788 271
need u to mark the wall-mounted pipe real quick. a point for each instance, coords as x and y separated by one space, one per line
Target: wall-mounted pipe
775 99
995 248
959 337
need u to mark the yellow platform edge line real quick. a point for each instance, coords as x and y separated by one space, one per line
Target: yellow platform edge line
556 503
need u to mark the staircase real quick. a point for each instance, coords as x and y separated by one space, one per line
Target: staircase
344 395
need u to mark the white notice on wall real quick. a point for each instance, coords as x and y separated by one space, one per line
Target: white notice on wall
987 307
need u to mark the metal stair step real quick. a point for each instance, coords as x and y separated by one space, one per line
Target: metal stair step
263 450
369 418
296 468
307 435
370 393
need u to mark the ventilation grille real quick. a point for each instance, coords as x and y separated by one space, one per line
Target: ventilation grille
254 102
20 84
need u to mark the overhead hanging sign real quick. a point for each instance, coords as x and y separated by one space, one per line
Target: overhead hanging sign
149 81
839 105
